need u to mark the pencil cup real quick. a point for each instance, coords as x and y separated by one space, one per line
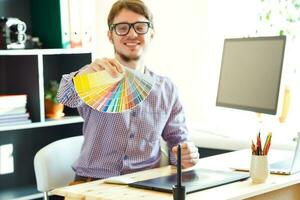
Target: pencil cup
259 168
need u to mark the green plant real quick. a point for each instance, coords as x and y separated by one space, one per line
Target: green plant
282 17
51 91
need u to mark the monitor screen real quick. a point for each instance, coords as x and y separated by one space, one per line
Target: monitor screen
250 73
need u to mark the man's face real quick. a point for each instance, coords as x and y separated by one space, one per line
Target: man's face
132 46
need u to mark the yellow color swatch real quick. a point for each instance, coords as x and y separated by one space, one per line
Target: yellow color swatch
105 93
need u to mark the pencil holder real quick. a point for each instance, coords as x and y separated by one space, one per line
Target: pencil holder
259 168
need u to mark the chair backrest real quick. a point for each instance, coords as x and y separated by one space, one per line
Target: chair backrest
164 160
52 164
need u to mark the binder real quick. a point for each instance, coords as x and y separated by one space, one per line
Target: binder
50 22
75 23
87 20
65 26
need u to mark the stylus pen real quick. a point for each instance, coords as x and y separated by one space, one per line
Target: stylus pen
179 190
179 174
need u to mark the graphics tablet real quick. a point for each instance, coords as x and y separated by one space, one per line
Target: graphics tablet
194 180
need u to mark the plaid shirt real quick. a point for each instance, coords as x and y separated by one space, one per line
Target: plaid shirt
120 143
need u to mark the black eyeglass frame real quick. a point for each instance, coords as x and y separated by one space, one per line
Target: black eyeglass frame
131 25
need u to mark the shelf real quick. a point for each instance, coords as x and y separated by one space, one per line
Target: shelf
21 193
48 122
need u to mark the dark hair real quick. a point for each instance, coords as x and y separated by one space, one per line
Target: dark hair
136 6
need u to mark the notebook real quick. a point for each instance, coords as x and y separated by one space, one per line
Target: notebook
287 166
194 180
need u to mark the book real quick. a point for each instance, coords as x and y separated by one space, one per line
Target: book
75 25
17 117
12 110
13 101
65 26
86 22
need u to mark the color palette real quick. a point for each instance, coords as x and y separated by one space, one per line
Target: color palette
107 94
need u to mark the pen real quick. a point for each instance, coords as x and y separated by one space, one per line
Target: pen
257 148
267 144
259 151
179 173
179 189
253 148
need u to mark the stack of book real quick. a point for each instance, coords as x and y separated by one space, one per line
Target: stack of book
13 110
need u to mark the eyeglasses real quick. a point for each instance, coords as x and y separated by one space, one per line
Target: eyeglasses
123 28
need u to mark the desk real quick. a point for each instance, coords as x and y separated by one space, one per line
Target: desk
276 186
215 140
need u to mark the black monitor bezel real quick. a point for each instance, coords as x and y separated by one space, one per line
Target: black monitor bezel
272 111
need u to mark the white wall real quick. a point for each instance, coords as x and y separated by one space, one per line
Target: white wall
103 46
239 18
187 48
179 48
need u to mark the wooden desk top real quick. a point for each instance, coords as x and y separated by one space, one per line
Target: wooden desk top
238 190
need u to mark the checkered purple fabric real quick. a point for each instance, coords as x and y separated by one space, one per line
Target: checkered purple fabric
120 143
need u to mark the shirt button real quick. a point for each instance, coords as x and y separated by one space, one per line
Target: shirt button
131 135
125 157
133 113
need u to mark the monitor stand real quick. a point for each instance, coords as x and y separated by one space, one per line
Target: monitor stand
285 105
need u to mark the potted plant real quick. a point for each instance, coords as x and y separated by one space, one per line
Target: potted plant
53 108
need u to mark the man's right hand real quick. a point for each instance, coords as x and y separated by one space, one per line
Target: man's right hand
111 65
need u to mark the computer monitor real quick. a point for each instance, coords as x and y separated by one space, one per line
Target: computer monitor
250 73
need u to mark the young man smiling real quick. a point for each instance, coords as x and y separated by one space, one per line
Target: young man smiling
119 143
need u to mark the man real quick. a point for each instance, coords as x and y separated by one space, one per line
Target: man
120 143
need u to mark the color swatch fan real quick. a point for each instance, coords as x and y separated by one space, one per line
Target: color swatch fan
107 94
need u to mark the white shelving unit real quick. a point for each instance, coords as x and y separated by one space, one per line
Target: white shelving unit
28 72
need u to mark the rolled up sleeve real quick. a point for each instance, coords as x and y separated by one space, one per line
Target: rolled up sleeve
66 93
175 130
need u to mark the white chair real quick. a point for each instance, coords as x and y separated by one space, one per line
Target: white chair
52 164
164 160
